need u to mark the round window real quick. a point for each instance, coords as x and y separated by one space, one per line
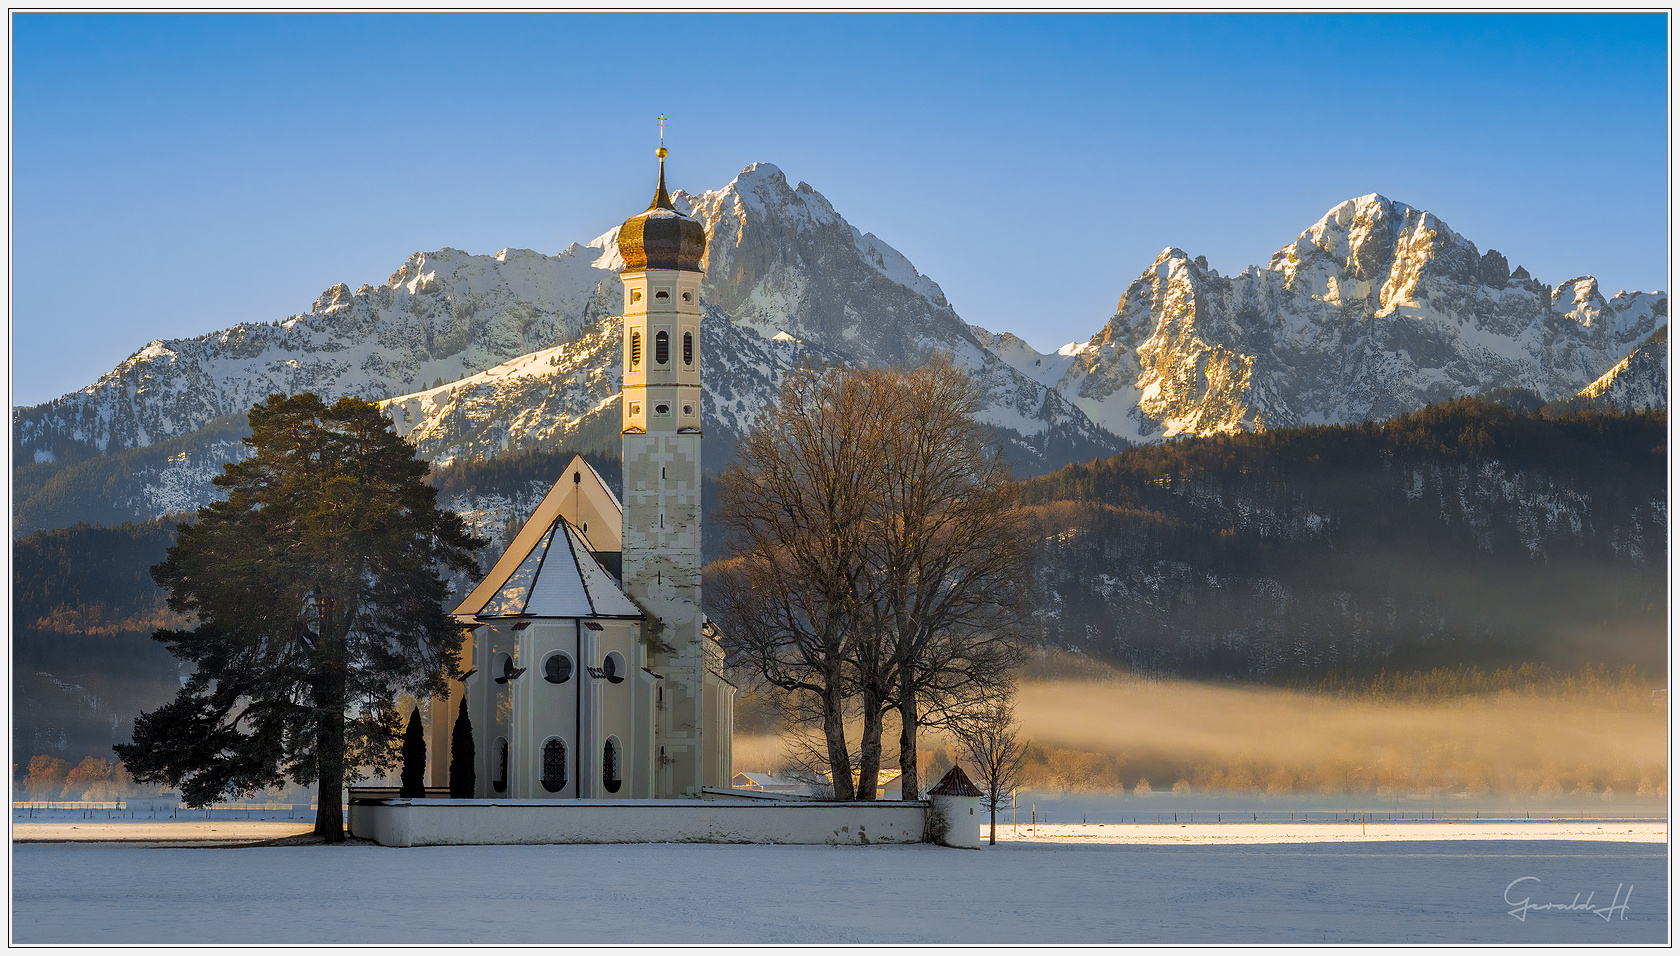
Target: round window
557 669
613 668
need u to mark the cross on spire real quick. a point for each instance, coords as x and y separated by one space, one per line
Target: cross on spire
662 129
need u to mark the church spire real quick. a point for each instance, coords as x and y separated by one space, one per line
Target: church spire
661 199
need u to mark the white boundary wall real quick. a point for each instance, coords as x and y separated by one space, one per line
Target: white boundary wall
432 822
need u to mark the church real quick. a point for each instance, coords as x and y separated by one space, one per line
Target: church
590 671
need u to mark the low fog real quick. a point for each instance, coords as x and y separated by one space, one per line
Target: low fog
1605 742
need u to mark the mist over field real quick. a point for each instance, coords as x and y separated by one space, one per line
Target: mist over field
1602 735
1234 738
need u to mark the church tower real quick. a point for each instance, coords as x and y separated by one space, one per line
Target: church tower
662 249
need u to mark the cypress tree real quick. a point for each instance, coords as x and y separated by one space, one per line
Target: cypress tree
463 778
414 758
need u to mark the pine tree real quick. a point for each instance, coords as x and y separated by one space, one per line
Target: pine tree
463 758
316 592
414 758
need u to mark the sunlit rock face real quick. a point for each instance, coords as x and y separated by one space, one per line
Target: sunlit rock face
1636 382
1376 310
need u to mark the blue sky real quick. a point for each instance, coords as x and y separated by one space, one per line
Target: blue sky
173 174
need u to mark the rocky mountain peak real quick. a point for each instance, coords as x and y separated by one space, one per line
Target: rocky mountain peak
1376 309
335 298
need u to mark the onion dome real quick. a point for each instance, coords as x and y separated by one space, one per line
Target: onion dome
661 237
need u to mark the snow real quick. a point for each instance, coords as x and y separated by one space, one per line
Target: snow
1093 884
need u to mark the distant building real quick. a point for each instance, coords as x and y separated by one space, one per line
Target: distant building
769 783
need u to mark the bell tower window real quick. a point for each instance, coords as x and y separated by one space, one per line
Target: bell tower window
662 348
688 348
635 350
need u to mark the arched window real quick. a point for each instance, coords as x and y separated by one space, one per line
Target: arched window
611 776
498 773
557 668
688 348
635 349
662 348
554 765
613 668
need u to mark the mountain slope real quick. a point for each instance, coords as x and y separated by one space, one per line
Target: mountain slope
440 315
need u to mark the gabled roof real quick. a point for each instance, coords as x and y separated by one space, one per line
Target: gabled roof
548 570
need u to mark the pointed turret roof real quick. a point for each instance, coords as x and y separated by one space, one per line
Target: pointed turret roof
955 784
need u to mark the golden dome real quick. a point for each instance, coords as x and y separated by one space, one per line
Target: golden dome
661 237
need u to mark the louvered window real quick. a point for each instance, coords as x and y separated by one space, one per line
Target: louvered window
688 348
635 349
662 348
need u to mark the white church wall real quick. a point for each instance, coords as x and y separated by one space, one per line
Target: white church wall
434 822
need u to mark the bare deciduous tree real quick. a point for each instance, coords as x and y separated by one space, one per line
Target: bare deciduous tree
990 739
877 561
796 504
951 557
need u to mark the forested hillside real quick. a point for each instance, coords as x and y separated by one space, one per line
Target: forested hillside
1464 532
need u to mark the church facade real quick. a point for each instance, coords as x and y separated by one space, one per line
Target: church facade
590 670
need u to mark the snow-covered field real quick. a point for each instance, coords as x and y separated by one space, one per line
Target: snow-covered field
1412 881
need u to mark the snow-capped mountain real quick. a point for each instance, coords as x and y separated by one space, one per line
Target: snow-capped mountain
1377 309
477 354
787 281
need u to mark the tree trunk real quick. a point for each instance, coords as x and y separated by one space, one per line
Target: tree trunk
910 782
329 758
994 824
869 747
834 731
